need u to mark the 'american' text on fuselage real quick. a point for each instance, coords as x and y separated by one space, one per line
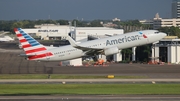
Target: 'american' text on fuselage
122 40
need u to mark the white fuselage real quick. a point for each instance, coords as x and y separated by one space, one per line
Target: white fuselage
120 41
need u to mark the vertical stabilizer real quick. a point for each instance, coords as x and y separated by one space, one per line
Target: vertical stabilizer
32 48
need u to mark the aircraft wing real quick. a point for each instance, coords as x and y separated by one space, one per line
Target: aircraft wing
93 52
87 50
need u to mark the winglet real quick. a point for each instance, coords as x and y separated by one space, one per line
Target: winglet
72 42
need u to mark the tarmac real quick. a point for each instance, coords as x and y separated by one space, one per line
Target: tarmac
11 63
90 81
92 98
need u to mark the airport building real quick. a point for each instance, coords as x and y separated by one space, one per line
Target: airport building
159 22
167 50
146 22
60 32
175 21
176 9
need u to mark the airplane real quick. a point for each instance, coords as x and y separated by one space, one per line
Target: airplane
6 38
106 46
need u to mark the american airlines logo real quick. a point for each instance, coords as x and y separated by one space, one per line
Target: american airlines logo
143 34
122 40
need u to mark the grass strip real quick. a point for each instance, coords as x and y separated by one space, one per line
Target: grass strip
51 89
58 76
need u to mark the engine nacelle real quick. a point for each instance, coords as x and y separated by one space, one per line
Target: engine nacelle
110 51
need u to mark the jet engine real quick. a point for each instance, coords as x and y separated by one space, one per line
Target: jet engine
110 51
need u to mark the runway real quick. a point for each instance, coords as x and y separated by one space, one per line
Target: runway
92 98
87 81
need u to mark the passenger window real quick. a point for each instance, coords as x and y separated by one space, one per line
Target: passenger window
156 32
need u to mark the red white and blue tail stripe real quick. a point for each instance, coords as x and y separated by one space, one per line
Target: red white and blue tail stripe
33 49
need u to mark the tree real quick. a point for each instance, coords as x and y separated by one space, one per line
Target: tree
62 22
147 51
132 25
95 23
127 52
143 53
123 52
171 31
80 23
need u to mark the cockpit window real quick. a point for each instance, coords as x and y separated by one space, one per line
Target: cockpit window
156 32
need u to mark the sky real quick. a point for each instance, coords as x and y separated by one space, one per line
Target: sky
83 9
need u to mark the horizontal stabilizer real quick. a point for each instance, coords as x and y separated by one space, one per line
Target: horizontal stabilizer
24 55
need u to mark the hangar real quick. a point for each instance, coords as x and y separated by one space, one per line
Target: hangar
60 32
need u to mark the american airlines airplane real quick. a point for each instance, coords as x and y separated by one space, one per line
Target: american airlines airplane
106 46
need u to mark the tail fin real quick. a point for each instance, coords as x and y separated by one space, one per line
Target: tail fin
32 48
